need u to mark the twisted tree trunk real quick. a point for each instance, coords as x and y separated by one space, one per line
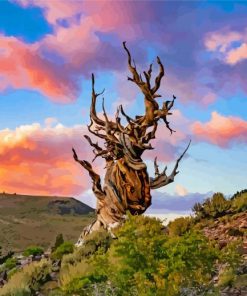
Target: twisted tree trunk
127 184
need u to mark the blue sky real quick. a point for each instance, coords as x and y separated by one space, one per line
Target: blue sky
27 23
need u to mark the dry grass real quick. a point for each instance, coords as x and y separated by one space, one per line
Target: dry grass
29 278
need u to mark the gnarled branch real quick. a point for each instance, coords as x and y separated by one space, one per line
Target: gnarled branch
161 179
99 193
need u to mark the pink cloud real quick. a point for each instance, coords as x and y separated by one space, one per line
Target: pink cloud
78 46
102 12
22 66
87 37
237 55
222 42
221 130
55 10
187 91
38 160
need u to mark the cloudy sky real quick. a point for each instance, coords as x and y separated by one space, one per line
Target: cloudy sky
48 50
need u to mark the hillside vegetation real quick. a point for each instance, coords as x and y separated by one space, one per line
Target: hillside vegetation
36 220
147 259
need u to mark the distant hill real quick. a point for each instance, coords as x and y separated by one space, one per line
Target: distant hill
36 220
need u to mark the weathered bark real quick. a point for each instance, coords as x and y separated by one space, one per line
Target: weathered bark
127 184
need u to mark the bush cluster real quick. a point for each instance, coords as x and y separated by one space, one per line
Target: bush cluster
218 205
33 251
63 249
143 261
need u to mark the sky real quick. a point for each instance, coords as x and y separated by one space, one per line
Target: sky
48 50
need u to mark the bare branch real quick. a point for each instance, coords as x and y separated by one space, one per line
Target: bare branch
109 127
95 145
151 135
130 120
121 129
159 77
136 77
98 151
162 179
99 193
156 167
151 106
167 125
93 114
150 70
96 133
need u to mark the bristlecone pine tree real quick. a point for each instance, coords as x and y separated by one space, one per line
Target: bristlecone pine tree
127 184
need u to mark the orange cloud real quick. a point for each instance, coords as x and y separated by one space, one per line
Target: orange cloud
221 130
38 160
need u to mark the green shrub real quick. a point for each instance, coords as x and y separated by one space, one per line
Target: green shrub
143 261
86 284
33 250
218 205
199 211
59 241
71 272
179 226
64 248
93 242
239 203
10 263
5 257
174 263
143 254
232 260
28 280
214 207
231 255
